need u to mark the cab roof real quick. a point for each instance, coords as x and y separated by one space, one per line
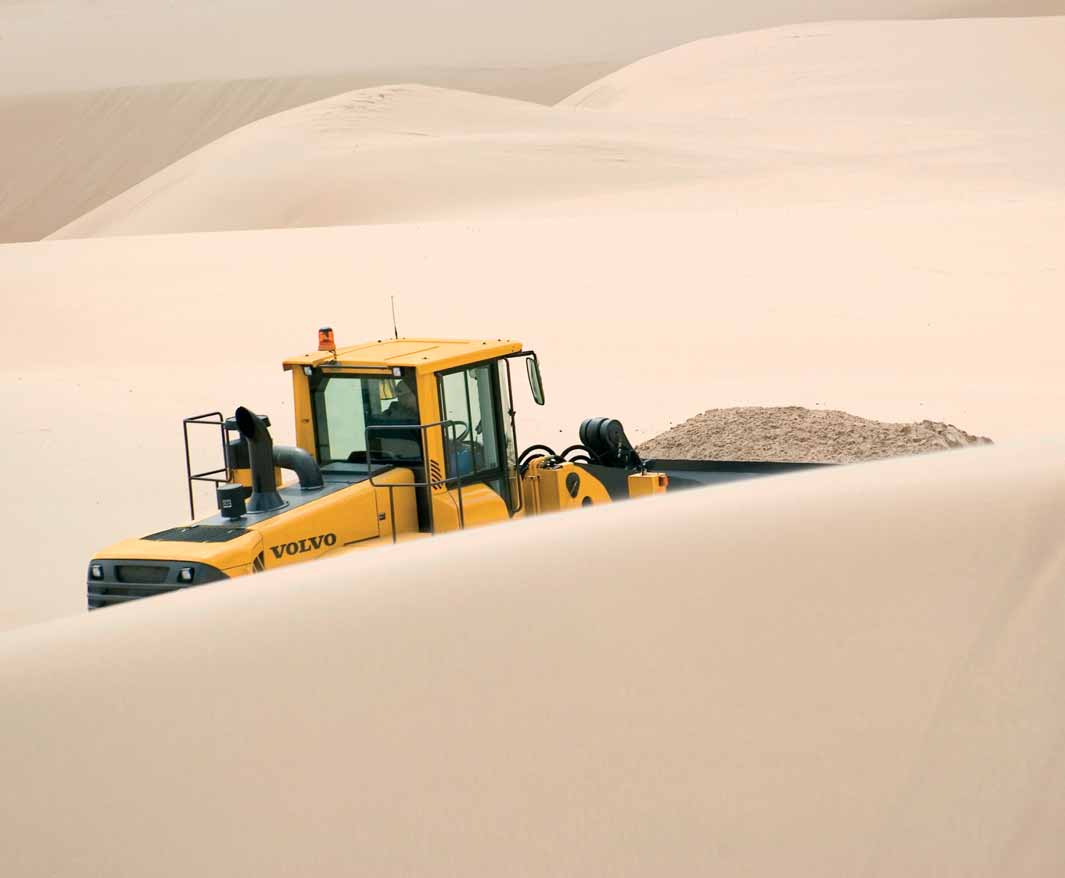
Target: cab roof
421 354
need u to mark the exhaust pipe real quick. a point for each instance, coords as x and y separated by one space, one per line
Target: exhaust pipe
264 496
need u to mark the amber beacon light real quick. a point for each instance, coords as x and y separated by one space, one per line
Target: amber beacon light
325 340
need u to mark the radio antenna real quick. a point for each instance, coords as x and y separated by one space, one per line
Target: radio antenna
395 329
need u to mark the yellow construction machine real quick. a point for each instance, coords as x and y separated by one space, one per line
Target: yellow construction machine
395 440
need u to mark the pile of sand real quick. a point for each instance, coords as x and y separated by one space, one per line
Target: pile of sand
800 434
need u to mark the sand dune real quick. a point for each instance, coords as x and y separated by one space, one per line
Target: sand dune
856 112
853 671
96 97
880 694
391 154
65 153
901 72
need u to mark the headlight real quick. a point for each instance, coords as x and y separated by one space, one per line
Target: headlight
96 571
185 574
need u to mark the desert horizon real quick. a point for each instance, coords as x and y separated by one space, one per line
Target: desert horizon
129 99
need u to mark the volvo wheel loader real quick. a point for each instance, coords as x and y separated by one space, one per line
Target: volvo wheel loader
395 440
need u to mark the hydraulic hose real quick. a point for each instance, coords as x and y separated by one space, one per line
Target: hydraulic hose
550 452
582 448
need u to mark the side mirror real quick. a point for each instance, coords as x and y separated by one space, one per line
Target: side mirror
536 383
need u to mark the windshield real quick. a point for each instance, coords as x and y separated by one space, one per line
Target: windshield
346 405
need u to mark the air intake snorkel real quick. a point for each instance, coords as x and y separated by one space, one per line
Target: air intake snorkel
264 496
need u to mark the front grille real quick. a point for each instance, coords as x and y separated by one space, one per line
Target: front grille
101 595
141 573
122 581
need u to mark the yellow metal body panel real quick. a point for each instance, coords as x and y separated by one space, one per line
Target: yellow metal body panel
403 504
647 484
313 530
228 557
429 410
480 506
545 488
301 406
421 354
378 545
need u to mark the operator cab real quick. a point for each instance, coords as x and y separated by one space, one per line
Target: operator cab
441 408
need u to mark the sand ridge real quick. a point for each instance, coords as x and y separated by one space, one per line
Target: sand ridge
65 153
390 154
860 665
128 99
827 113
833 72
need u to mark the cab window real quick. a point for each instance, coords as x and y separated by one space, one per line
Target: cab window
345 405
469 397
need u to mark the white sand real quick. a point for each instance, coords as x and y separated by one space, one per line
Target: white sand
392 154
96 96
846 672
67 152
833 112
820 80
879 694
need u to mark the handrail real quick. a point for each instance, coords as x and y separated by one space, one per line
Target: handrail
429 483
212 419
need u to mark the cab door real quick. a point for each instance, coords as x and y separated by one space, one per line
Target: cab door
478 454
